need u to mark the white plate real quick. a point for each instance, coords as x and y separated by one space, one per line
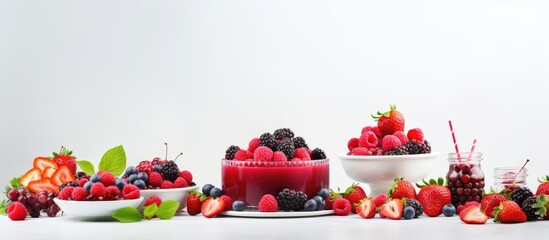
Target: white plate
95 209
254 213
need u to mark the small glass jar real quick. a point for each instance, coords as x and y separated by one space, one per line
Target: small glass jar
509 178
465 177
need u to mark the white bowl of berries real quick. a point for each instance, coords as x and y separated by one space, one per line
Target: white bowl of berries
176 194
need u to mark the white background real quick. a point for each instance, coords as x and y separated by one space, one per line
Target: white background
203 75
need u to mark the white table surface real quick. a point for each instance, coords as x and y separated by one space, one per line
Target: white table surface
185 227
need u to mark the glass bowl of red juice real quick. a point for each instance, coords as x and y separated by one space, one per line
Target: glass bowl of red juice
248 181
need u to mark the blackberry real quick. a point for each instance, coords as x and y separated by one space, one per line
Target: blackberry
528 209
229 154
416 205
318 154
520 194
287 147
289 200
74 184
397 151
415 147
299 142
268 140
170 171
426 147
282 133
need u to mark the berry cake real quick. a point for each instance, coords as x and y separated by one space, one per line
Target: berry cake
272 163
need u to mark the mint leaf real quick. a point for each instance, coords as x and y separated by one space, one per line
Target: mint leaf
167 209
150 211
86 166
15 182
3 207
127 215
114 161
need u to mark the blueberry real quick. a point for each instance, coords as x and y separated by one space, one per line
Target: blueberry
318 199
320 206
133 177
216 192
310 205
409 213
139 183
324 193
88 186
206 189
449 210
95 178
239 205
120 183
130 170
143 176
157 168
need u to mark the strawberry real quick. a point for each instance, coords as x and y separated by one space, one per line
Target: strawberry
389 122
433 196
542 206
48 172
473 215
43 184
366 208
64 157
194 202
402 189
392 209
31 175
212 207
491 201
43 163
354 194
543 188
62 175
509 211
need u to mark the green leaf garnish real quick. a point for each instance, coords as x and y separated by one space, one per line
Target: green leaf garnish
113 161
127 215
167 209
3 207
150 211
14 184
86 166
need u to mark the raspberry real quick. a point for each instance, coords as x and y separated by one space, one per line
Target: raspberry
241 155
180 183
390 142
415 134
360 151
249 155
366 129
352 144
279 156
107 178
302 153
268 203
368 140
264 154
65 194
79 194
401 136
166 184
82 181
295 159
228 202
377 132
98 190
254 143
155 179
113 191
188 176
342 207
153 200
145 166
17 211
380 199
459 209
130 191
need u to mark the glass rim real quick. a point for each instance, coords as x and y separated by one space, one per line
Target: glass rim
465 156
308 163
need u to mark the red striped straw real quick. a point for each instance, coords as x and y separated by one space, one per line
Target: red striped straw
472 149
454 138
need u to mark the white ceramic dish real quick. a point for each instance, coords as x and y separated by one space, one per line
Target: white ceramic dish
379 172
254 213
177 194
94 209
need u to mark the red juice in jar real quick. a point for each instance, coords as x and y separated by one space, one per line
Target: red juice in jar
465 177
248 181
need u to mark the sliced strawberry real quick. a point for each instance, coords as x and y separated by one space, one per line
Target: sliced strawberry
43 184
473 215
48 172
392 209
31 175
62 175
366 208
42 163
211 207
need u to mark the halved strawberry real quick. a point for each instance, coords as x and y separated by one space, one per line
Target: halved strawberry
366 208
48 172
43 184
62 175
43 162
473 215
211 207
31 175
392 209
